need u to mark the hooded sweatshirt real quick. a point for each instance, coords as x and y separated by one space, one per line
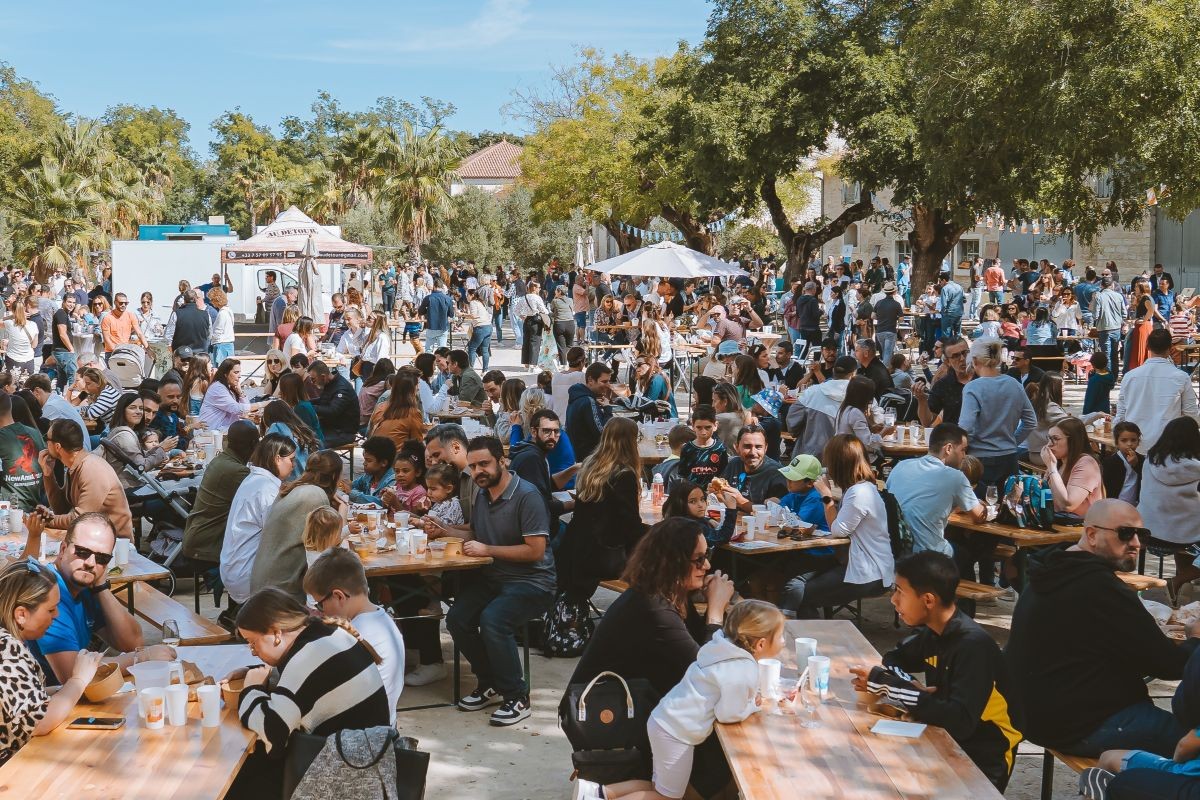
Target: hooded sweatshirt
1169 498
585 418
718 687
1080 646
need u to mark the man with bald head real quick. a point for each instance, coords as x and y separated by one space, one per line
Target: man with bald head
1082 644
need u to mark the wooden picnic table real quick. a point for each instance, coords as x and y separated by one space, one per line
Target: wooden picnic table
380 565
773 757
175 763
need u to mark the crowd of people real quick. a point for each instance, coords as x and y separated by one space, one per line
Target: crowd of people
804 424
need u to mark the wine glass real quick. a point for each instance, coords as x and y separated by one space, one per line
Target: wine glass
810 698
993 496
170 633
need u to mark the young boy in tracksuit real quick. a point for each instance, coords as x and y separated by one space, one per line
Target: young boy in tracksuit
967 689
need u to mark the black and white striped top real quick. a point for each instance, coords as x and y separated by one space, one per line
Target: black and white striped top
327 682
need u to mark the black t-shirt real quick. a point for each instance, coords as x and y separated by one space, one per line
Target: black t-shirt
946 397
61 317
767 482
1026 280
887 311
675 306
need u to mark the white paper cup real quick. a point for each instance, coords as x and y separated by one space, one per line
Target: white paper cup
403 542
760 509
121 552
805 647
420 542
768 676
751 527
210 705
177 700
151 706
402 518
818 675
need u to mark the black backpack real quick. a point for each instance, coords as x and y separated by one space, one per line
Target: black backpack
902 402
898 531
605 722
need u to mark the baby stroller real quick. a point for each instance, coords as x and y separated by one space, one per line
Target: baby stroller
127 362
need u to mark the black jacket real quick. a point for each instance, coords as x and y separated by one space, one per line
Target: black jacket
337 408
191 329
879 375
528 461
601 535
974 698
1112 470
585 418
1080 646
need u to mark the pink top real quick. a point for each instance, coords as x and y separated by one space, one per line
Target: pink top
1085 474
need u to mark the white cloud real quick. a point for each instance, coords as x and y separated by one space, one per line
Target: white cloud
497 22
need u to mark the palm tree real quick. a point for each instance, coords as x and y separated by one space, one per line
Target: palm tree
415 188
54 218
272 194
356 163
322 194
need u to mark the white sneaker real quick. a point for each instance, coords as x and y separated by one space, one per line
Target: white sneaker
426 674
587 790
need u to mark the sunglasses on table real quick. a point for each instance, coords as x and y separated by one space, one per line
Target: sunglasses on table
1126 533
84 553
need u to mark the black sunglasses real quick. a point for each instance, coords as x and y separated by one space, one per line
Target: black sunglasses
1126 532
702 561
84 553
322 602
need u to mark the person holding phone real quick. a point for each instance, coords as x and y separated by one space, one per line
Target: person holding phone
29 597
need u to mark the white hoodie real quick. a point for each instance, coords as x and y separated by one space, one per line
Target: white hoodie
718 687
825 397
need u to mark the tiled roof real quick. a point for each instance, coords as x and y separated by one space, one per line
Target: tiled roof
495 161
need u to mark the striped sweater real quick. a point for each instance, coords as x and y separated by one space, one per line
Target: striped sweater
327 682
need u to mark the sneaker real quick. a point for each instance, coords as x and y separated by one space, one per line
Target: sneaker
479 699
426 674
512 712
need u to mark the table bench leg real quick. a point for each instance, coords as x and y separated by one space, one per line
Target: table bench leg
1047 775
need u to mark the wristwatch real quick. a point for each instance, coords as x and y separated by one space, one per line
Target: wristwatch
104 587
827 499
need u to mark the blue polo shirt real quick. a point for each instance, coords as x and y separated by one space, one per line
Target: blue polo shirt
928 490
441 308
77 621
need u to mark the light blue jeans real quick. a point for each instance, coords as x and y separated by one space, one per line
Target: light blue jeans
435 339
66 367
220 352
887 346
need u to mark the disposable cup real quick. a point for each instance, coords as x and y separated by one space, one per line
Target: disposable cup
402 518
151 704
805 648
177 699
751 527
818 675
210 705
420 542
760 508
768 676
121 552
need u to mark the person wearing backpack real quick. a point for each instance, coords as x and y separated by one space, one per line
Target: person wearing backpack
862 517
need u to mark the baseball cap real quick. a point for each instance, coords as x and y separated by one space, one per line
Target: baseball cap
730 348
184 352
803 467
845 365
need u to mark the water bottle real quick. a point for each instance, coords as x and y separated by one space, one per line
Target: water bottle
656 490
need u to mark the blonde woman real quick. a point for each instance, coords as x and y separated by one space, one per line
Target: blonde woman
375 345
510 407
220 338
607 524
286 323
22 336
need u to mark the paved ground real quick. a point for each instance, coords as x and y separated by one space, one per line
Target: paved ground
473 761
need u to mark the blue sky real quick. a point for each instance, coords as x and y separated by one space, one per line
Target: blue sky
271 57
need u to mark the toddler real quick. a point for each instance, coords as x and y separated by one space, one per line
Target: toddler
407 493
322 530
441 499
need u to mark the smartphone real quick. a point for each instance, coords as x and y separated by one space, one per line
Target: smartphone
97 723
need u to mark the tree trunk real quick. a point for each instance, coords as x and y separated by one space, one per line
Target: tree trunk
802 244
625 241
696 234
933 236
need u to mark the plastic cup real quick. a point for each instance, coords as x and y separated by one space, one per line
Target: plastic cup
210 705
420 542
818 675
177 700
403 542
760 509
805 648
437 550
16 520
768 676
751 527
402 518
121 552
151 704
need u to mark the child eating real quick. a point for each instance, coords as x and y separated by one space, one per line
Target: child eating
407 493
705 457
440 504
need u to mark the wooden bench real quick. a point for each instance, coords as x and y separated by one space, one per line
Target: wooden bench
614 586
346 453
969 593
1077 763
155 607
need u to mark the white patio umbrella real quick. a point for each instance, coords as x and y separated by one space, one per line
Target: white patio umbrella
591 250
309 297
668 260
579 262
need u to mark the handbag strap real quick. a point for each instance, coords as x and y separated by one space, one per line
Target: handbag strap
583 695
392 737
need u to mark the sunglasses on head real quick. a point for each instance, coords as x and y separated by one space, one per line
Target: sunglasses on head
1126 532
31 565
84 553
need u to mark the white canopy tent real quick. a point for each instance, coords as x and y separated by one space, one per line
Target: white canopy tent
668 260
285 239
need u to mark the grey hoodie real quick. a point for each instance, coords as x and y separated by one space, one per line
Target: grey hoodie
1169 499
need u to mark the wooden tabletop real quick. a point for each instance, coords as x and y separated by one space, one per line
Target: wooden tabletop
1019 537
904 447
138 569
381 564
771 544
175 763
771 756
650 453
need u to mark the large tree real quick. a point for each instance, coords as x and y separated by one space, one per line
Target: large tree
582 155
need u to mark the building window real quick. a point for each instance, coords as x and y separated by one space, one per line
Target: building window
850 193
1103 184
903 250
968 249
850 236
